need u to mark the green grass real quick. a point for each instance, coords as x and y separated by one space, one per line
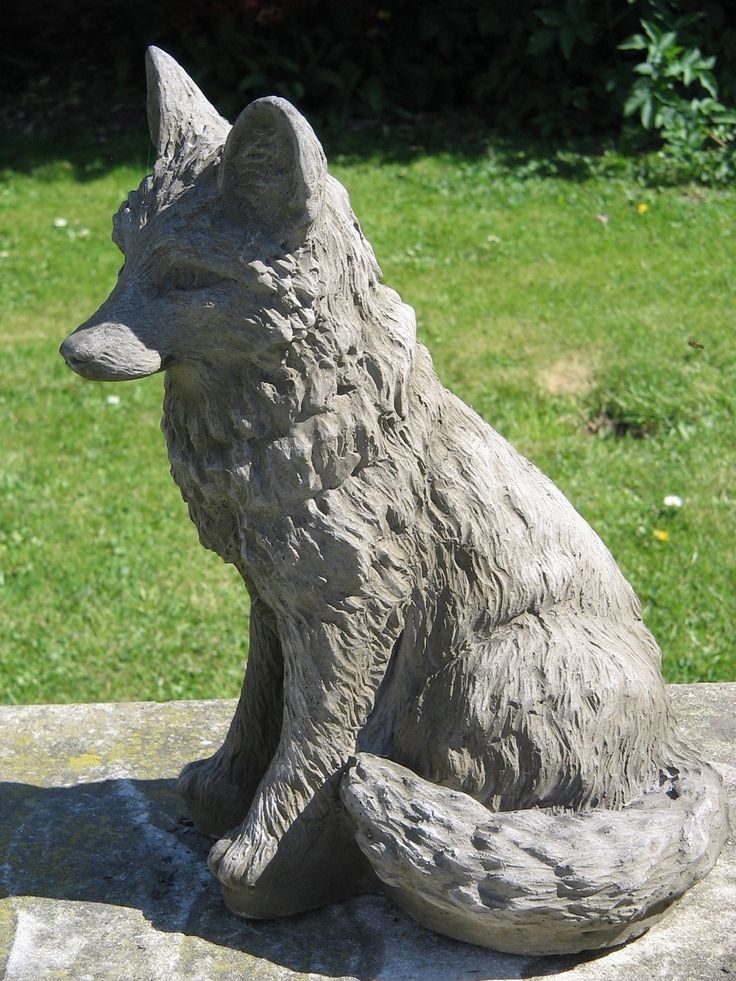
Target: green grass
568 333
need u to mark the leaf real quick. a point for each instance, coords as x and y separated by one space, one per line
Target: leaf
709 84
550 17
373 94
294 88
637 42
332 79
650 30
647 110
254 80
586 32
638 94
567 41
541 40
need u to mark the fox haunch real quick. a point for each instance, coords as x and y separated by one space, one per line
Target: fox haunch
450 693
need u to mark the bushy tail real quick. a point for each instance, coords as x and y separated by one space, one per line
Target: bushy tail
534 881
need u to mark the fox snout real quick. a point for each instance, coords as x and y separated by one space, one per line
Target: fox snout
109 352
105 349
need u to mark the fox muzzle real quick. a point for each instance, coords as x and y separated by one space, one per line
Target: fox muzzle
109 351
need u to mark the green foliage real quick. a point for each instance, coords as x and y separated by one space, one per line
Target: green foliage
555 66
676 94
588 319
665 70
350 59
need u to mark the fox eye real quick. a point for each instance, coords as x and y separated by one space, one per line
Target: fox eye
188 278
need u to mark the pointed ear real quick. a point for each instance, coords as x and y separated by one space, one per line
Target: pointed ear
177 110
274 169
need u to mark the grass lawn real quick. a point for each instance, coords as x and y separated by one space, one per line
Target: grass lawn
588 318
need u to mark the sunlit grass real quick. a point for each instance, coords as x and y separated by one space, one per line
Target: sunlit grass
556 306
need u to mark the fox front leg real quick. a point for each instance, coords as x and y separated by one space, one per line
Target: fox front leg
296 848
218 791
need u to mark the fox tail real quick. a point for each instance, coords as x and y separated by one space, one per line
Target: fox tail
537 881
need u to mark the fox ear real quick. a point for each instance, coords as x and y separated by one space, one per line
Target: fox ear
274 167
177 110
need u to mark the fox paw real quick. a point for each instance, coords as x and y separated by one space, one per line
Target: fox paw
239 861
214 800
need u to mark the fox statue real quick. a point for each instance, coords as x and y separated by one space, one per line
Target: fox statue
450 695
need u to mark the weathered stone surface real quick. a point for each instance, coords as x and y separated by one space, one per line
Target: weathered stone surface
102 877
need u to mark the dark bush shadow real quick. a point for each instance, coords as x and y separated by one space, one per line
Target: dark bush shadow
127 843
87 158
92 146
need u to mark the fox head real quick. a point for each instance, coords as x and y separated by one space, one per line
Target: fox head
247 280
217 234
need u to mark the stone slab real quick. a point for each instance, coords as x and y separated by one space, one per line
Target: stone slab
102 878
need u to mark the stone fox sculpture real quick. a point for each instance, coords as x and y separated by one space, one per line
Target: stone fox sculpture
450 694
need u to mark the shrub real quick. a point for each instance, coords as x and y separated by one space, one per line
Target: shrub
676 94
553 67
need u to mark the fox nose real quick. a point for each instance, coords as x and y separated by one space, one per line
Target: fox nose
73 355
78 357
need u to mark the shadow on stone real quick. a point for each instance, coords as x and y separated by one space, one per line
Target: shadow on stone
126 843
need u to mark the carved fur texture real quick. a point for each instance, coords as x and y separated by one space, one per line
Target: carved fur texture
450 693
